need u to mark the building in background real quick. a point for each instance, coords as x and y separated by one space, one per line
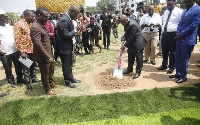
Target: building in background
132 4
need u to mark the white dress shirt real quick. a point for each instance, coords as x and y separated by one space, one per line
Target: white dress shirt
7 42
173 20
155 19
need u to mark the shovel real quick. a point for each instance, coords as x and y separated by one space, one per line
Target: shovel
118 71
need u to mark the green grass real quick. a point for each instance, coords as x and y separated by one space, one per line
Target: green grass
178 117
63 109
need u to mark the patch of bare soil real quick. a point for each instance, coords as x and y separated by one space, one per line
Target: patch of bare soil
108 82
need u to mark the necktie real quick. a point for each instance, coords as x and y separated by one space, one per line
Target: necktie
165 28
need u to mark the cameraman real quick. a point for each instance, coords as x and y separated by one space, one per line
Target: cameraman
95 32
82 17
128 12
150 24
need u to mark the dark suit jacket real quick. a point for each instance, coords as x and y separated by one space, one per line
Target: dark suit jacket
42 50
65 32
106 21
188 26
134 38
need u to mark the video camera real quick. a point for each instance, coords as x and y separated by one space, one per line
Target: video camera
81 8
140 5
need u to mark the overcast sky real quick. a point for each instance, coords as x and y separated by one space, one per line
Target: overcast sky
91 2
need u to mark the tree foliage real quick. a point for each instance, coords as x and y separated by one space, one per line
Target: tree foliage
12 16
109 3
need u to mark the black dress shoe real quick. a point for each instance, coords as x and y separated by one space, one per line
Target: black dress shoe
145 60
174 76
12 83
162 68
35 80
136 75
76 81
181 80
153 62
170 71
198 60
127 72
29 87
70 85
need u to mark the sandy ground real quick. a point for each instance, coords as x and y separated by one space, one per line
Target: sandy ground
103 82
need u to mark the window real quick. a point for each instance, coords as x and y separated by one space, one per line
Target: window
132 11
132 5
122 1
127 6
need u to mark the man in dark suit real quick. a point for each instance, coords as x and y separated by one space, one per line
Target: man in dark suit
106 26
186 35
65 33
135 43
42 51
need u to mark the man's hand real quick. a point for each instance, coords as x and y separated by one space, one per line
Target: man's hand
2 53
51 35
123 48
178 37
23 54
50 60
125 3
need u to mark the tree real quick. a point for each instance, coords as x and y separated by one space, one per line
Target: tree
109 3
12 16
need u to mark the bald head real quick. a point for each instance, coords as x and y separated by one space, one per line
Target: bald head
73 11
123 20
151 10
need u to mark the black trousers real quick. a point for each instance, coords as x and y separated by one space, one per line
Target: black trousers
106 37
85 40
29 73
168 43
139 59
7 64
66 60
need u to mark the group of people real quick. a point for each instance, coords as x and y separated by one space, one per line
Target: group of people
178 37
34 35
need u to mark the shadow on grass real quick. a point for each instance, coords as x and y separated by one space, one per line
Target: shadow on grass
168 120
3 82
186 93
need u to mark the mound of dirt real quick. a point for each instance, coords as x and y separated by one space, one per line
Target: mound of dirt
108 82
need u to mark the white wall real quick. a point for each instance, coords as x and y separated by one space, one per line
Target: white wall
17 5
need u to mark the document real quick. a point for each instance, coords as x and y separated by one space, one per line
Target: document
26 61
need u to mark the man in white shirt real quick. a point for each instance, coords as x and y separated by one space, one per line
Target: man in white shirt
8 50
150 23
171 18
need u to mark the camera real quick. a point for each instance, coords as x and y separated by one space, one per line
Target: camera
151 27
140 5
81 8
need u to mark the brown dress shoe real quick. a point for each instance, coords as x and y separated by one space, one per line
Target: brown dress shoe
51 92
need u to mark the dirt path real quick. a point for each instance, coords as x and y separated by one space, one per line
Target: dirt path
100 80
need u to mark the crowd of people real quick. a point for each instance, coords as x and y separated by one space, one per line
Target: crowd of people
38 31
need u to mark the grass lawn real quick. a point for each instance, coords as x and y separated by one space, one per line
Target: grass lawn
168 103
